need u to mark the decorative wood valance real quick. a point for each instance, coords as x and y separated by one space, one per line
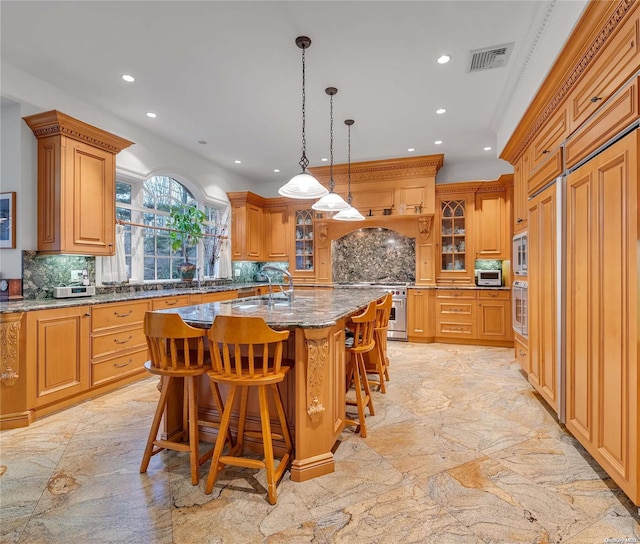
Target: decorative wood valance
51 123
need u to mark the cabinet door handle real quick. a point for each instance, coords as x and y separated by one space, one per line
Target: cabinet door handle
122 315
171 303
519 220
116 365
594 99
122 341
87 315
493 294
457 328
545 151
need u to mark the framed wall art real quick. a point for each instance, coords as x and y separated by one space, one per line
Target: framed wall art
7 220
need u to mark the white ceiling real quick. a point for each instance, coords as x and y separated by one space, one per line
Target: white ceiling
229 73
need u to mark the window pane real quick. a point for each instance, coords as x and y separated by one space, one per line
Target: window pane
123 192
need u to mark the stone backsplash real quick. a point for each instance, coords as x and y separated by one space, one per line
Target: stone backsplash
374 255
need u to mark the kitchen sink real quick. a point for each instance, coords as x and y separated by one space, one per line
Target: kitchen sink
261 302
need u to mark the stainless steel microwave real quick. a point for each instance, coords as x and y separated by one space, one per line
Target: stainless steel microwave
489 277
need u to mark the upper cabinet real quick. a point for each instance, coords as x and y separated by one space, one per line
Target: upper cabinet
247 226
520 194
473 222
76 185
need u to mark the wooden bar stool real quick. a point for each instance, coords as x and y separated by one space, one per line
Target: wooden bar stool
245 354
378 363
363 342
177 351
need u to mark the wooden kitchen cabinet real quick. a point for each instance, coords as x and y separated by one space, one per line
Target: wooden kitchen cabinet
494 315
455 261
166 303
247 226
521 352
602 375
303 258
455 314
543 310
57 354
491 230
520 194
276 233
419 318
76 185
118 343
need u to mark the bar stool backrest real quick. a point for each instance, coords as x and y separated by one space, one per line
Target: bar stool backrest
245 347
173 345
383 312
364 324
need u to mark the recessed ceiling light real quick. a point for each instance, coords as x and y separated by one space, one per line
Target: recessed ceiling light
276 170
411 149
203 142
488 148
128 78
443 59
438 142
151 114
324 159
440 111
238 162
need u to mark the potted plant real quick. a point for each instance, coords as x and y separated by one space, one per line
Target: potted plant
187 224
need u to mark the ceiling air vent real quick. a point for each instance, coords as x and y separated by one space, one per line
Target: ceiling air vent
489 57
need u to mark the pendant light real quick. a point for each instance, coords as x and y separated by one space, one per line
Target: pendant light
332 202
350 214
303 185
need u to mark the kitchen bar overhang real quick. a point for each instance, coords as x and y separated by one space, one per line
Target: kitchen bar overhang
314 390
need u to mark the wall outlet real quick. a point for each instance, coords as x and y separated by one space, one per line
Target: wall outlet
236 273
76 276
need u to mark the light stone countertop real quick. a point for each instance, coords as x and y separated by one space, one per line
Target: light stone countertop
309 309
30 305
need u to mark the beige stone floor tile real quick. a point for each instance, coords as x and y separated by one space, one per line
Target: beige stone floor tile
501 506
460 450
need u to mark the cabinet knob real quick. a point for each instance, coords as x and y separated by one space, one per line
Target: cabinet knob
87 315
545 151
519 220
594 99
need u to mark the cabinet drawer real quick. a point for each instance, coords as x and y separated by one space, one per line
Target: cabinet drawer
454 329
118 367
456 293
522 355
216 297
111 343
455 308
545 172
170 302
552 134
117 314
493 295
617 62
612 117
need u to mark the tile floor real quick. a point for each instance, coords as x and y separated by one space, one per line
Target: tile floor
461 450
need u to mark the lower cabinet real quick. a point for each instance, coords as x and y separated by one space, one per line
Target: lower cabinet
473 316
521 352
58 353
118 344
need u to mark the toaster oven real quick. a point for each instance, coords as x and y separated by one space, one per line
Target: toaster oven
489 277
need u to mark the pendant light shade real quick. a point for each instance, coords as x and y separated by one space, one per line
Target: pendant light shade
303 185
331 202
350 214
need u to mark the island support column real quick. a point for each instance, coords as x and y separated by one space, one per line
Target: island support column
319 399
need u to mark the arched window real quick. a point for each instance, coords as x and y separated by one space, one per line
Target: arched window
147 203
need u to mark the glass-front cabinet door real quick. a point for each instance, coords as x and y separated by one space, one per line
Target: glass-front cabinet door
304 240
454 259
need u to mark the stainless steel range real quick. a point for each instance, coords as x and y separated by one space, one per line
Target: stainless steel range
398 317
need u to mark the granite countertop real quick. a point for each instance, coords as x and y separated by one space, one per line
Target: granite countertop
13 306
309 309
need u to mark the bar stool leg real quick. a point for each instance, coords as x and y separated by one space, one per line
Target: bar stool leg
193 428
365 383
359 399
155 424
220 441
267 443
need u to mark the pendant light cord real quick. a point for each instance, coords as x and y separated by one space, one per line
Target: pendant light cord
332 183
304 162
349 166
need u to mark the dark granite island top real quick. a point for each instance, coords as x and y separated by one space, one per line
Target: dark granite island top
314 389
308 310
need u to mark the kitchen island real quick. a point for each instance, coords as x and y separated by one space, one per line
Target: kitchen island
314 390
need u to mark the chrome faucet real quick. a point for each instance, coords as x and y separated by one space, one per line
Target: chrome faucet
289 292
